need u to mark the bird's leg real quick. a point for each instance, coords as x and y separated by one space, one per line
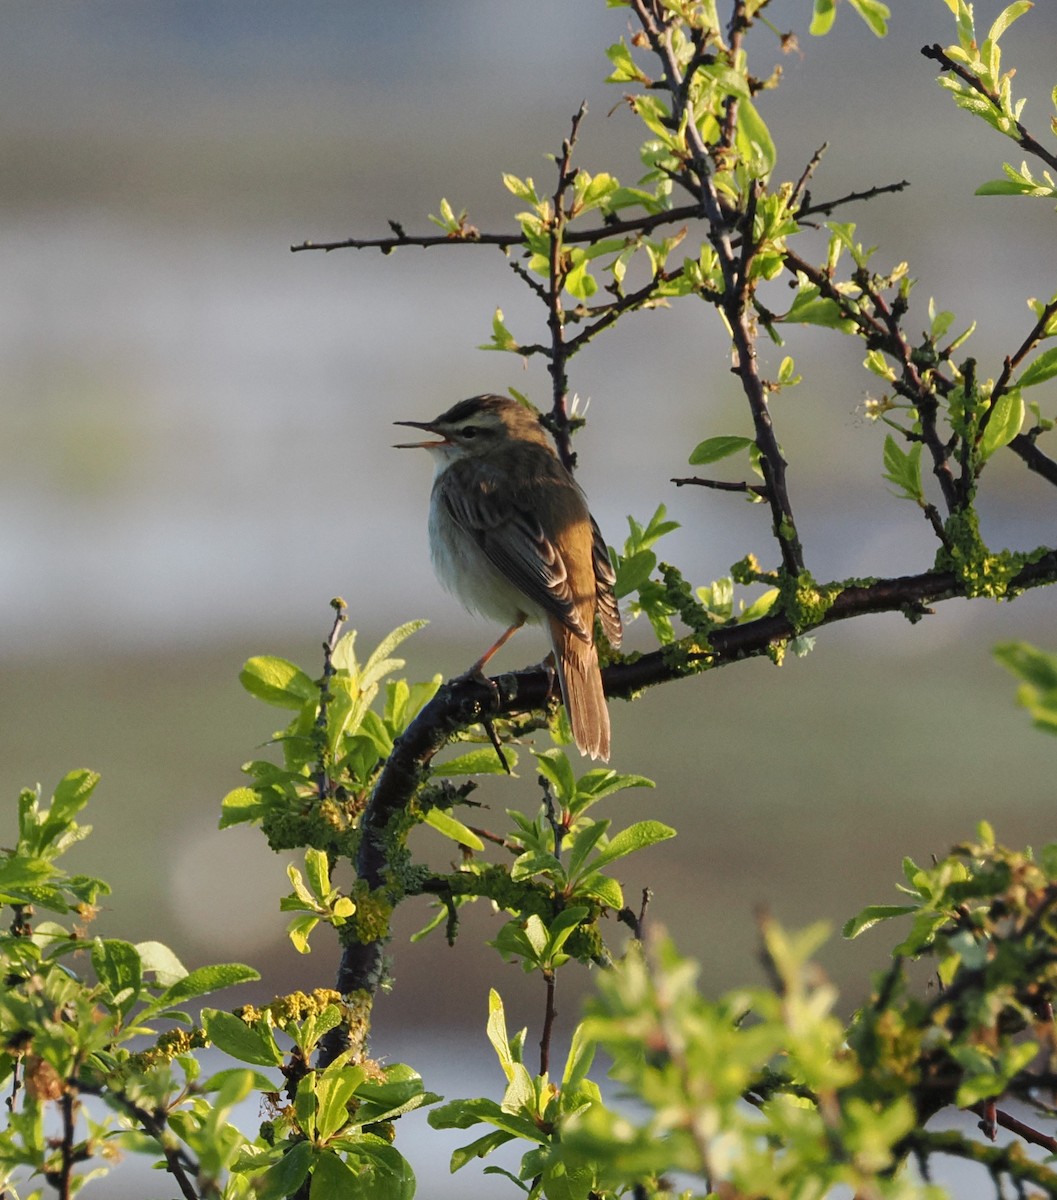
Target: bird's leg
477 670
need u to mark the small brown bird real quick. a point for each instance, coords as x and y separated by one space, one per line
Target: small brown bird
511 535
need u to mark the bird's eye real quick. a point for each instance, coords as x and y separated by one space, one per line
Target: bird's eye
470 431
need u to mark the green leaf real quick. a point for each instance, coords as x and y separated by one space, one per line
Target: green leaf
461 1114
119 968
400 1091
482 1147
333 1179
1030 663
760 607
583 844
754 139
1007 418
873 914
381 661
240 804
825 12
19 873
444 823
334 1089
578 1062
714 448
635 837
483 761
248 1043
502 338
625 69
317 868
1006 18
287 1175
300 929
72 795
555 767
1040 369
161 962
633 572
1003 187
497 1035
603 888
903 469
241 1076
809 308
208 979
874 13
277 681
381 1172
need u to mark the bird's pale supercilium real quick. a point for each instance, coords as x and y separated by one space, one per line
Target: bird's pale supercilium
511 535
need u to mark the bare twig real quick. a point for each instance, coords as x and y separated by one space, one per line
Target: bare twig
827 207
753 489
987 1112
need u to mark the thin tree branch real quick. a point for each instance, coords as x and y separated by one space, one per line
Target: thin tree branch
629 226
558 354
754 489
1026 1132
1023 445
827 207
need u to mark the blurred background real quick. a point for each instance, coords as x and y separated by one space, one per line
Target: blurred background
195 456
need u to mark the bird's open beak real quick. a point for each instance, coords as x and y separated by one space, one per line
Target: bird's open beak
428 427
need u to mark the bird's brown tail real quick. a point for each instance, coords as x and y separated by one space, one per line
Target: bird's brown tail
581 684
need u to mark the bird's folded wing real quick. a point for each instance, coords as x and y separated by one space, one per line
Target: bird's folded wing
514 542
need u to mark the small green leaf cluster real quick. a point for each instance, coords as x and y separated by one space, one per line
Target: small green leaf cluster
602 195
315 900
992 100
984 916
566 852
533 1110
67 1032
333 748
335 1136
556 887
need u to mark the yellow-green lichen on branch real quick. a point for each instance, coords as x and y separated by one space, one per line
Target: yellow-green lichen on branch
805 602
326 823
373 915
980 571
